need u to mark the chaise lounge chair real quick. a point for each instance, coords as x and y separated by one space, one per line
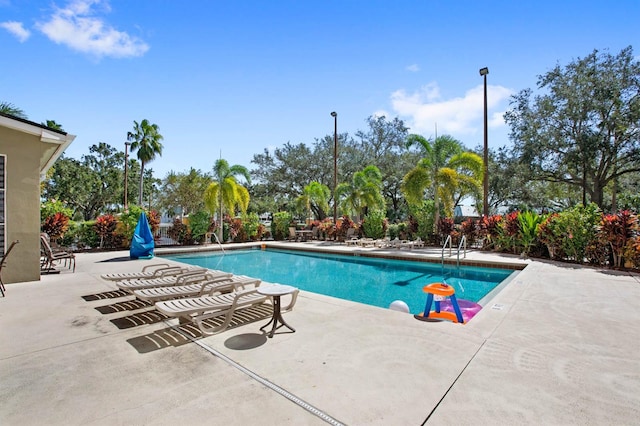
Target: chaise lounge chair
149 271
184 277
200 309
206 287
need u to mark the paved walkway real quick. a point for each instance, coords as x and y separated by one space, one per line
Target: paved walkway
558 345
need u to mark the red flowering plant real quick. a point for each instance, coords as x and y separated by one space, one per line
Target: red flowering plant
549 235
470 229
344 223
446 227
327 228
105 227
489 228
55 225
617 230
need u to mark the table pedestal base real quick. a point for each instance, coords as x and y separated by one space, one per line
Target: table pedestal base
277 317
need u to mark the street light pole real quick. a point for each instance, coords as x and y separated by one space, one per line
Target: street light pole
485 183
126 163
335 166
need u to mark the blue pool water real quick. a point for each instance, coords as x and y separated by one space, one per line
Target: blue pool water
372 281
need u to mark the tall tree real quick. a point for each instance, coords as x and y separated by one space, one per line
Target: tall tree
11 109
225 191
383 144
446 169
364 190
90 186
181 193
145 139
315 197
584 130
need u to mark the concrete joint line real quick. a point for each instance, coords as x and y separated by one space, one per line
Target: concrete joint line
452 384
282 392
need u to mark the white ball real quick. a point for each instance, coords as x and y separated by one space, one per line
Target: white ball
399 305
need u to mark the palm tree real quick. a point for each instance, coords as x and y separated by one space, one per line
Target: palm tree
365 190
11 109
146 140
446 169
53 125
225 191
315 196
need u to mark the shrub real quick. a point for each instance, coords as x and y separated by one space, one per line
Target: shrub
508 232
327 228
180 232
280 225
49 208
86 236
446 227
528 227
470 229
393 231
490 230
616 231
344 223
55 225
236 231
374 224
199 225
579 227
127 225
251 225
105 226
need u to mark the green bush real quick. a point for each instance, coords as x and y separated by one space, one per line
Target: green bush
50 208
199 224
529 222
127 225
87 237
280 225
393 231
250 224
374 224
424 215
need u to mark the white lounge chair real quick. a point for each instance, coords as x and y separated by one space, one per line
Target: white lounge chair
366 242
149 271
206 287
185 277
203 308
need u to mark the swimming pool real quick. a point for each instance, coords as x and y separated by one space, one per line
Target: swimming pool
372 281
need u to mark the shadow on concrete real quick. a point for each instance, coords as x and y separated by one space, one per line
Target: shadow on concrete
242 342
114 294
126 305
116 259
138 319
184 333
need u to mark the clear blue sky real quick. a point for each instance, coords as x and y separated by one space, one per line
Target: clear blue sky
233 78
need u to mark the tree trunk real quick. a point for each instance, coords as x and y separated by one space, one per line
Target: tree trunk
141 182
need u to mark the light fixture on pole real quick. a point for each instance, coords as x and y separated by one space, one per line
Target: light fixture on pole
485 183
126 163
335 166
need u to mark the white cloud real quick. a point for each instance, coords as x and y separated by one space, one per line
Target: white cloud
413 68
457 116
77 27
17 30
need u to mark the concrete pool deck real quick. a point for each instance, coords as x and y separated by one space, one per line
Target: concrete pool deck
558 345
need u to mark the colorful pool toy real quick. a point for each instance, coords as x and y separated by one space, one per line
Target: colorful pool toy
446 305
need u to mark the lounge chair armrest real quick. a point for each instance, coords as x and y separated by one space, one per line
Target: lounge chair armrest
294 297
155 265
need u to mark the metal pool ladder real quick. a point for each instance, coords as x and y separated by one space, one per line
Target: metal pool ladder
461 246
